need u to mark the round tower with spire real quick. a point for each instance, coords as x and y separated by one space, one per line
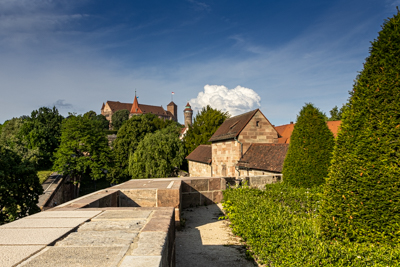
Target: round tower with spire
188 113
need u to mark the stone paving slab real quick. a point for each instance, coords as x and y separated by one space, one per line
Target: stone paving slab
11 255
149 244
45 223
141 261
125 215
65 214
130 226
98 239
77 256
37 236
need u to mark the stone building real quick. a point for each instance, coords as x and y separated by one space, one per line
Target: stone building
230 142
110 107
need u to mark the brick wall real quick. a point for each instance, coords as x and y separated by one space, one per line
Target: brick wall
197 169
261 132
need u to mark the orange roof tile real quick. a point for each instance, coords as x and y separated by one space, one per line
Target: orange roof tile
287 129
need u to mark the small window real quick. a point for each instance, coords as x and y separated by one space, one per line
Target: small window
257 123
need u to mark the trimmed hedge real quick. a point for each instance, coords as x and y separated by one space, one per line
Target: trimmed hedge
362 196
310 150
279 226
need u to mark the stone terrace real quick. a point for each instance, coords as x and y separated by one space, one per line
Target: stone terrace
131 224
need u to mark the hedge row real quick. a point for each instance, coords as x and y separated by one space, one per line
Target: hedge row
279 225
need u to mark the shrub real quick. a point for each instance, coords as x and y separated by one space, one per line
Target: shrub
279 226
362 199
310 150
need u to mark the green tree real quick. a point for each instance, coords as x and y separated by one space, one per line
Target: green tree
310 150
19 187
84 152
118 118
91 115
105 124
361 199
157 154
336 113
42 131
128 138
12 137
204 126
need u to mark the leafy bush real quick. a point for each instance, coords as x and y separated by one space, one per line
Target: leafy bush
310 150
362 197
279 226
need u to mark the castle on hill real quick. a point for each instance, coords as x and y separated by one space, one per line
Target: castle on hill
135 109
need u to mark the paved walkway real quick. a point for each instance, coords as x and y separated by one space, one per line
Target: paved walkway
205 241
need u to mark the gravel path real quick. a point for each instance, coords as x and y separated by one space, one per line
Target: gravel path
205 241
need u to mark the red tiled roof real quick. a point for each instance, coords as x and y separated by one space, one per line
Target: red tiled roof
286 130
334 126
265 157
135 109
202 154
171 104
157 110
232 127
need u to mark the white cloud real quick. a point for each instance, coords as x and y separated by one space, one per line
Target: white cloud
235 101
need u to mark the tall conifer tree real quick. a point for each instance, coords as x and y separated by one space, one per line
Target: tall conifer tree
362 195
310 150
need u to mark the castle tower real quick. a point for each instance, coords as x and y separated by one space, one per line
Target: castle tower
135 110
188 113
173 108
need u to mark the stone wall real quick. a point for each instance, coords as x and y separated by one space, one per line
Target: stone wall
225 155
258 130
198 169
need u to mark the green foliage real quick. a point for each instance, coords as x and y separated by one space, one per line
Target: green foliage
42 131
362 196
310 150
279 226
157 154
11 137
128 138
91 115
84 150
118 118
43 175
19 186
204 126
336 113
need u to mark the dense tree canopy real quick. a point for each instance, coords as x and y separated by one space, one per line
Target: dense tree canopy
19 186
362 198
310 150
12 138
84 150
204 126
157 154
42 131
128 138
118 118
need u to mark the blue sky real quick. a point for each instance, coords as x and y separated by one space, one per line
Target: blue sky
239 55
